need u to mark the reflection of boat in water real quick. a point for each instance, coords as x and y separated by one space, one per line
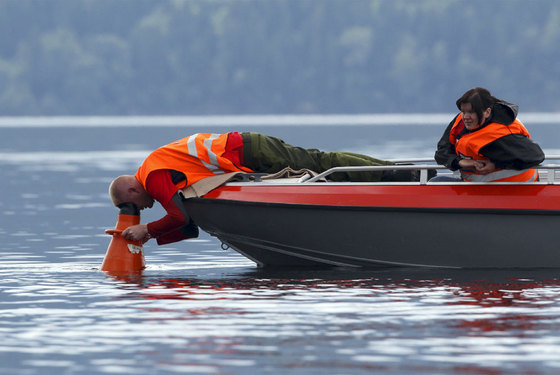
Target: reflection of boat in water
299 222
477 287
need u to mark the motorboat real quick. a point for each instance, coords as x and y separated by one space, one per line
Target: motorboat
310 221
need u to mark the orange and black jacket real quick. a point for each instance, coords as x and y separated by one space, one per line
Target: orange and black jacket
511 151
185 162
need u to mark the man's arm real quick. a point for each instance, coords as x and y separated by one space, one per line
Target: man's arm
173 227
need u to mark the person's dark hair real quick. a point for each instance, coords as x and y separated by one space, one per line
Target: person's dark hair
479 98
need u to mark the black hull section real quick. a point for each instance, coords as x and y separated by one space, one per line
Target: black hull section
310 235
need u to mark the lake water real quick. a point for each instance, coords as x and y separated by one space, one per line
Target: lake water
199 309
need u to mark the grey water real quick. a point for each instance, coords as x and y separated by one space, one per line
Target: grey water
202 310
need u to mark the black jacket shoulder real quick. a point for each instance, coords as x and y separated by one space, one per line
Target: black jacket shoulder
513 151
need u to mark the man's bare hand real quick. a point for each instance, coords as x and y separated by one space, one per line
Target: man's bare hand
136 233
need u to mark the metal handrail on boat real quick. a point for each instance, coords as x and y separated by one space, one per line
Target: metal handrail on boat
431 160
552 157
422 167
548 177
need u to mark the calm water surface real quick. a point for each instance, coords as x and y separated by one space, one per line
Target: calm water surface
199 309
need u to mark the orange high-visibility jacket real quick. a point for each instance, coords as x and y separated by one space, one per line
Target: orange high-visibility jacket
468 146
197 156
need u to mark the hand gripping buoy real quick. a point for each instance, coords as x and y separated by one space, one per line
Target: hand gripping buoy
123 254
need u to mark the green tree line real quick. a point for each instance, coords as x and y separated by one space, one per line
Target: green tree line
172 57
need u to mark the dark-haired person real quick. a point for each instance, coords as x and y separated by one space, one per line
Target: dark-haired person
188 160
487 142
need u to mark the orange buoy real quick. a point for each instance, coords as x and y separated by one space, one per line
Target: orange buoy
123 254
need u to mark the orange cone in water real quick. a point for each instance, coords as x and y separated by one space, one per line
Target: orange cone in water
123 254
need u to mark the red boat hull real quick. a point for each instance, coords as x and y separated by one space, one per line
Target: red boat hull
365 225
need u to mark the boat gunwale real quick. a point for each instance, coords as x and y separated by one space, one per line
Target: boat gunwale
460 195
447 210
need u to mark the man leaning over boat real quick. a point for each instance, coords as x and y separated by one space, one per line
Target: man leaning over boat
188 160
487 143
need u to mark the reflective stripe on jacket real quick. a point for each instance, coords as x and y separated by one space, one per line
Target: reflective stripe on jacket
499 175
469 144
197 156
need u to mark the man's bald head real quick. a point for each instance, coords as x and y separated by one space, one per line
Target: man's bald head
127 188
119 189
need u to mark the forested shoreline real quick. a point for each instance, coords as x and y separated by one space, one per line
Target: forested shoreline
192 57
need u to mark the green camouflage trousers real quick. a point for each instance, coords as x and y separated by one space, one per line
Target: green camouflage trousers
267 154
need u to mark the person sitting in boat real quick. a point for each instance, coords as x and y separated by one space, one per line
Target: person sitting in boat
188 160
487 142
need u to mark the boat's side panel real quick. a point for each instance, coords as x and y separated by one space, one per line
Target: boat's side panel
461 195
366 236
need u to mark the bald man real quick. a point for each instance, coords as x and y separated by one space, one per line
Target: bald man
181 163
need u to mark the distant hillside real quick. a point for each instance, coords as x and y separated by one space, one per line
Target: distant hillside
121 57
